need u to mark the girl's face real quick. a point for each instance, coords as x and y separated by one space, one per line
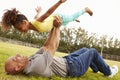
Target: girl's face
23 27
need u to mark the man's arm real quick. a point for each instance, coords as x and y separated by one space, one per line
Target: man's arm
50 10
52 42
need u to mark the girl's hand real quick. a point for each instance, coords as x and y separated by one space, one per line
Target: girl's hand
38 9
62 1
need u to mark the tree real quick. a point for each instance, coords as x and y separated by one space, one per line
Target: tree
103 43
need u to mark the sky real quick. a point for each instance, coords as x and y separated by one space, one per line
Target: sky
105 19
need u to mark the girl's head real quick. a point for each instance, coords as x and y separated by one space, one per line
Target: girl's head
14 18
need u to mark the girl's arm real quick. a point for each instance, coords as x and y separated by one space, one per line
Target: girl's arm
50 10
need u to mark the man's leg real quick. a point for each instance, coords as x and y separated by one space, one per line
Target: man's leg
80 64
78 52
81 51
99 62
93 67
102 66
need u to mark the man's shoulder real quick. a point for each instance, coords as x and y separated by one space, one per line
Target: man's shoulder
39 62
40 51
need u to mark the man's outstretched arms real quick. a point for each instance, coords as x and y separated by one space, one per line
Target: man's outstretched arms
52 42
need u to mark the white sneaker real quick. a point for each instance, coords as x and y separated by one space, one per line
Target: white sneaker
114 70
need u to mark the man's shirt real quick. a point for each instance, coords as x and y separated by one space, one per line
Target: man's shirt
43 64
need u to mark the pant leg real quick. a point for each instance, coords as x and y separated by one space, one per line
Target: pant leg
81 51
100 63
79 65
69 18
78 52
94 67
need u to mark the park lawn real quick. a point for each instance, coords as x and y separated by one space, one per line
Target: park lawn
7 50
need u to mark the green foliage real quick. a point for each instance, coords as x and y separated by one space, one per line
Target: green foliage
71 38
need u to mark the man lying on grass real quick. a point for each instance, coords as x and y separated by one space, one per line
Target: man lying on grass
43 63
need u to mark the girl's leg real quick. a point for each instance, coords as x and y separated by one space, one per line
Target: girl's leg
69 18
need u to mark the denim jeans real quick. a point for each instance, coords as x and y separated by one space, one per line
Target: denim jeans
79 61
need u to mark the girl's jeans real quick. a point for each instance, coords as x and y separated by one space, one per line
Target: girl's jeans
79 61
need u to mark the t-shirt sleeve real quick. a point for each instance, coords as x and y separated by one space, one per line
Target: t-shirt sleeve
40 51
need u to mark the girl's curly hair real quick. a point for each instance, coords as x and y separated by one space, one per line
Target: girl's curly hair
11 17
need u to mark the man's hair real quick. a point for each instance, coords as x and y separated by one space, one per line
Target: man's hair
9 68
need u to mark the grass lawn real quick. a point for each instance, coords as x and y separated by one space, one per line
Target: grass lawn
7 50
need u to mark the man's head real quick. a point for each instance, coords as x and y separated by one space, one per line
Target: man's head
16 64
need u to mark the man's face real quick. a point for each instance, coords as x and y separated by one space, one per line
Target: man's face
16 63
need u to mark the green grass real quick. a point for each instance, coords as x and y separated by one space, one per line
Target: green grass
7 50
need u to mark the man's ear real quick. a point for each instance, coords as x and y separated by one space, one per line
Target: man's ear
17 68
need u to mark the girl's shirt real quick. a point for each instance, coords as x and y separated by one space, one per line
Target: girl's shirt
44 26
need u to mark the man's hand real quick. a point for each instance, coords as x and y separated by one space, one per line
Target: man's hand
52 42
57 21
62 1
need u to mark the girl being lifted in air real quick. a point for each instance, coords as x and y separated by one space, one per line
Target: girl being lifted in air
43 23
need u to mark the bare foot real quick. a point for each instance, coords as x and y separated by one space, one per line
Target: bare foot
87 10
